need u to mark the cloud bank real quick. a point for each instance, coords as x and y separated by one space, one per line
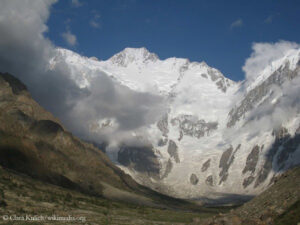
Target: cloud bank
26 53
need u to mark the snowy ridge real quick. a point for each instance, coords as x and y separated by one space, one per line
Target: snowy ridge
138 69
292 58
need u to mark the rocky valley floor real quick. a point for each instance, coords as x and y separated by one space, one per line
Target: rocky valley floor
22 196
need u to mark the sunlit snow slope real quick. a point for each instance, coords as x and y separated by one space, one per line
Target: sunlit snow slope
216 136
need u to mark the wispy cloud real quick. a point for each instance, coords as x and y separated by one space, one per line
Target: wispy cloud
269 19
237 23
94 24
95 21
70 38
76 3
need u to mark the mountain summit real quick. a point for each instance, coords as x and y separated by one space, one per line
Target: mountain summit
133 55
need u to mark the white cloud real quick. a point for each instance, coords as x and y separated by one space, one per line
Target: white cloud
94 24
76 3
263 54
69 38
269 19
131 111
22 27
237 23
96 14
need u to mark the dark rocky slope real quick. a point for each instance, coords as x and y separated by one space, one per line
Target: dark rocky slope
279 204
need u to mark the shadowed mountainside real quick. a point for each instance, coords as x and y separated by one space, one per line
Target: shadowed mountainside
278 205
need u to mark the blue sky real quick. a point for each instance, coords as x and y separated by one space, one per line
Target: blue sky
218 32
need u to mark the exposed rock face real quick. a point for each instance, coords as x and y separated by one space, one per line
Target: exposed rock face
289 147
216 76
255 96
194 179
141 159
162 142
180 135
209 180
225 162
173 151
264 172
162 125
213 74
129 55
168 169
252 160
221 85
46 127
191 126
184 68
205 165
17 86
204 75
250 166
284 145
247 181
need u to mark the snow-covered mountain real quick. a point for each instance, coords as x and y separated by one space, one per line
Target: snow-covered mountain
217 136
